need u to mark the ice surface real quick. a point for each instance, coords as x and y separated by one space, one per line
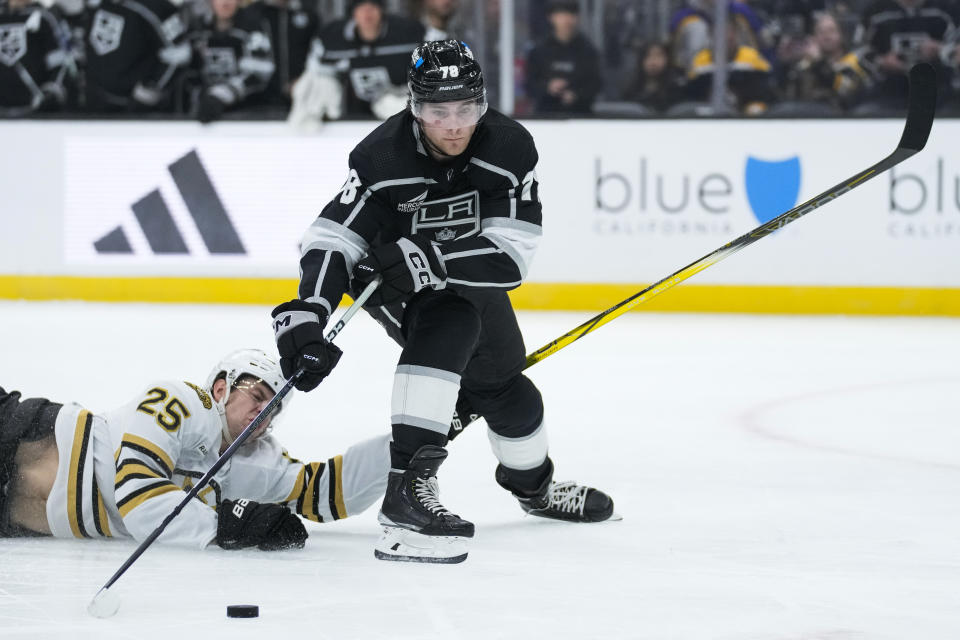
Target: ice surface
780 478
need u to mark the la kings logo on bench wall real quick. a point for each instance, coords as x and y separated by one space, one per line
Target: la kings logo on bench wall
449 218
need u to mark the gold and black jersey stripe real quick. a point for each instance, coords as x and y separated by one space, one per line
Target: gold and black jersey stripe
306 491
133 469
143 472
140 495
319 484
86 512
335 487
149 449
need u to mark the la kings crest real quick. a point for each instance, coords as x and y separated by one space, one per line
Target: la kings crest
106 31
449 218
13 43
219 63
369 83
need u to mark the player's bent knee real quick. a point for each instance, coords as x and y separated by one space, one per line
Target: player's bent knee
513 410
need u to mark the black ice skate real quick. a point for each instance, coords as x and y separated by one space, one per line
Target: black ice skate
561 500
416 527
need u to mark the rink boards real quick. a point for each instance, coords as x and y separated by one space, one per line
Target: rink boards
172 211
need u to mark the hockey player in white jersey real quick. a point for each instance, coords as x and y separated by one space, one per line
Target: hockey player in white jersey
67 472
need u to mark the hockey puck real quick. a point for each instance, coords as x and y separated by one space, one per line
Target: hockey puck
243 611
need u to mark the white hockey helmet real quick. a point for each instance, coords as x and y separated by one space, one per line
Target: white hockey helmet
251 362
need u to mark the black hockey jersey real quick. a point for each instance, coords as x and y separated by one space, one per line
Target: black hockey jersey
292 28
237 60
134 48
33 59
482 209
368 69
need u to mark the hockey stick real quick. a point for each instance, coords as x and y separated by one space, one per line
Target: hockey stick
104 604
921 106
920 111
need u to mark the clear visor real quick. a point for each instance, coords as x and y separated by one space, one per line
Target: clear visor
449 115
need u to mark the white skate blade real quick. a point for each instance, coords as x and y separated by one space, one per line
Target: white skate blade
402 545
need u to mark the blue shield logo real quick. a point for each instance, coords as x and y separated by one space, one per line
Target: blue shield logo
772 187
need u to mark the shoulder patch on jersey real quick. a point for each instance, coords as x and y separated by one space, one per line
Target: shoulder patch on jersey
202 394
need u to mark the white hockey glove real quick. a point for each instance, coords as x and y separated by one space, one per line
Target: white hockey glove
391 101
316 95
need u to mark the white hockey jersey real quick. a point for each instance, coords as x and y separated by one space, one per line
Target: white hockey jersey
121 473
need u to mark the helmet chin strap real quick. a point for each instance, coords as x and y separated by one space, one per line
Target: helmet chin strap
221 407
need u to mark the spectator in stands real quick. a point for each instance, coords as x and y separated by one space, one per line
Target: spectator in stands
826 75
563 71
691 30
292 26
749 79
232 58
135 51
438 17
655 85
900 33
358 66
951 58
33 58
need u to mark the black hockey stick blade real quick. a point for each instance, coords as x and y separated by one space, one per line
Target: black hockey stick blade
923 103
920 111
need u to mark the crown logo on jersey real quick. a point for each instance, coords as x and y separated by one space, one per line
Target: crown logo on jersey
445 234
413 204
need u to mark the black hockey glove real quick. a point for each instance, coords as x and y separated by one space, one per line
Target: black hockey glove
269 527
298 327
407 266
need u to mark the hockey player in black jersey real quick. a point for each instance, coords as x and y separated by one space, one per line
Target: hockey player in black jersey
368 53
34 58
135 48
292 25
233 59
440 203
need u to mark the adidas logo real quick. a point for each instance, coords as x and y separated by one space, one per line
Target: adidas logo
413 205
160 229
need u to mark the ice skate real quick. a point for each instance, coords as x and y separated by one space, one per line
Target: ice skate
416 527
562 500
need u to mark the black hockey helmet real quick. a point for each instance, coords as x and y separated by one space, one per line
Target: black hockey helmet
446 71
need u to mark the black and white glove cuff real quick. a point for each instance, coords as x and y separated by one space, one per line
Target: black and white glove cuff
286 320
426 270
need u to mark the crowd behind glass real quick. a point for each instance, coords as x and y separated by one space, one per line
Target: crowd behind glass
318 60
